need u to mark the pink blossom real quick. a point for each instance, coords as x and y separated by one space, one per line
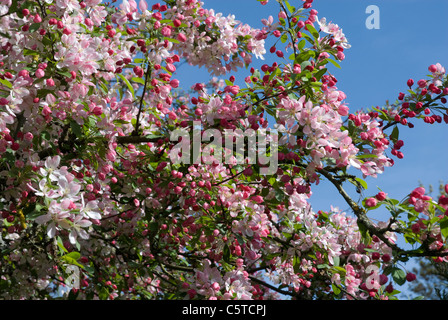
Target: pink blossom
371 202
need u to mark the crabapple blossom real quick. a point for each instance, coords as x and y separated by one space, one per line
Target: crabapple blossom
89 98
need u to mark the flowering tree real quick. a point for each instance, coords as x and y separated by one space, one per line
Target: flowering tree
88 102
431 276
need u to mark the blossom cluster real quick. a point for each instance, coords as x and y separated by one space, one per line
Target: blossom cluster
88 99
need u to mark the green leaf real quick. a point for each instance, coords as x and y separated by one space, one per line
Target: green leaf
308 38
153 227
334 63
284 38
336 289
351 127
61 245
226 253
6 83
138 80
398 275
71 258
65 74
336 261
171 40
320 73
276 72
154 136
395 133
29 52
240 239
264 192
313 31
444 227
76 128
104 294
45 135
74 255
340 270
128 84
34 27
291 9
364 156
279 195
361 182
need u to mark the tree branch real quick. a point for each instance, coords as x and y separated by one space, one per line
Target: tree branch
136 139
390 124
267 285
360 212
422 251
137 123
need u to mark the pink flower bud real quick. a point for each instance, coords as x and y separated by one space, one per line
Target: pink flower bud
46 111
282 15
410 276
432 68
88 22
421 83
371 202
39 73
215 286
383 279
258 199
170 67
37 18
340 55
138 71
415 228
28 136
381 196
181 37
343 110
172 115
15 146
23 73
98 110
174 83
50 82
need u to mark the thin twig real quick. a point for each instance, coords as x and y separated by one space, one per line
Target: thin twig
137 123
